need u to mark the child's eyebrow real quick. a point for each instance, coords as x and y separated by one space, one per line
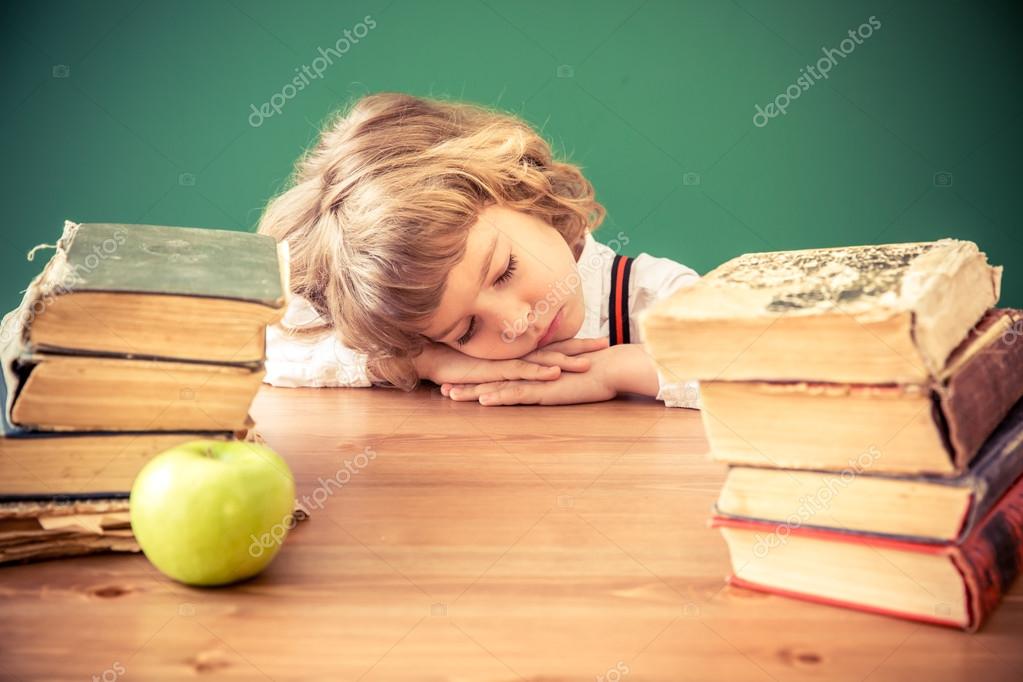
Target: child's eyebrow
484 272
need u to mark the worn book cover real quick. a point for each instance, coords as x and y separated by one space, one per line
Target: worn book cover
871 314
155 291
935 427
158 259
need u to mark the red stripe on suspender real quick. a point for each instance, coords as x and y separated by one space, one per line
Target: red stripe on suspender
619 279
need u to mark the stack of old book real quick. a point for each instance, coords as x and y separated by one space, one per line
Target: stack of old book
867 401
132 339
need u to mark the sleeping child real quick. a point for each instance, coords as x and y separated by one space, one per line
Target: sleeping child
440 240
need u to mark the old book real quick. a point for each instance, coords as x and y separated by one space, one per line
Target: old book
31 530
67 526
67 546
866 314
154 291
50 392
956 583
83 465
934 428
920 508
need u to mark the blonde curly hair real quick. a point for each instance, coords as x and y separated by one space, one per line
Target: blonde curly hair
378 211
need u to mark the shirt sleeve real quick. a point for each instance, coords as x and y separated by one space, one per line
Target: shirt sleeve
654 279
294 360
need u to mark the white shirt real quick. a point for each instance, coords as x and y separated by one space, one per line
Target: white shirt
323 361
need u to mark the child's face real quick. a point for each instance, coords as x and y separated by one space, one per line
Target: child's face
529 278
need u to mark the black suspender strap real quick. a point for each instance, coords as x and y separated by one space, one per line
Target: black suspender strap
618 302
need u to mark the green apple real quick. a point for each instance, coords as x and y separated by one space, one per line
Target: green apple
212 512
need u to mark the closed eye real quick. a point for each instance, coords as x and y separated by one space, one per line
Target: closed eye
505 276
509 271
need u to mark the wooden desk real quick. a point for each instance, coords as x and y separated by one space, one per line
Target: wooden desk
532 543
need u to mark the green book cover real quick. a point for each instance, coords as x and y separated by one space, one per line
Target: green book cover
156 259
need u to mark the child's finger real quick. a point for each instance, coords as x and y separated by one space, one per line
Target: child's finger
484 371
459 392
513 394
472 392
568 363
577 346
512 370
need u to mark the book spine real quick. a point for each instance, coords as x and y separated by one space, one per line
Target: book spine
978 396
996 468
14 329
64 498
990 559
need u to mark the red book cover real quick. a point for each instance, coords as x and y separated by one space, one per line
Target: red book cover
988 559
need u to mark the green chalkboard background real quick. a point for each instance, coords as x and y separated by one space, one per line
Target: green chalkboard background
142 112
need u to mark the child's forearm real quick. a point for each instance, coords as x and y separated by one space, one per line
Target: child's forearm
633 371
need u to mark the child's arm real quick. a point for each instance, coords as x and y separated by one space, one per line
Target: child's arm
442 364
639 373
323 361
633 371
625 368
654 279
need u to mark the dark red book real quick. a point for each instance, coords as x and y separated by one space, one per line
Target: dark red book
956 584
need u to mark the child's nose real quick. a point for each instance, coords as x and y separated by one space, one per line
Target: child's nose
515 318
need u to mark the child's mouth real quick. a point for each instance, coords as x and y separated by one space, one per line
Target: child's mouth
552 329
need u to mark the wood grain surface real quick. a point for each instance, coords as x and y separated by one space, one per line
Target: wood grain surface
474 543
